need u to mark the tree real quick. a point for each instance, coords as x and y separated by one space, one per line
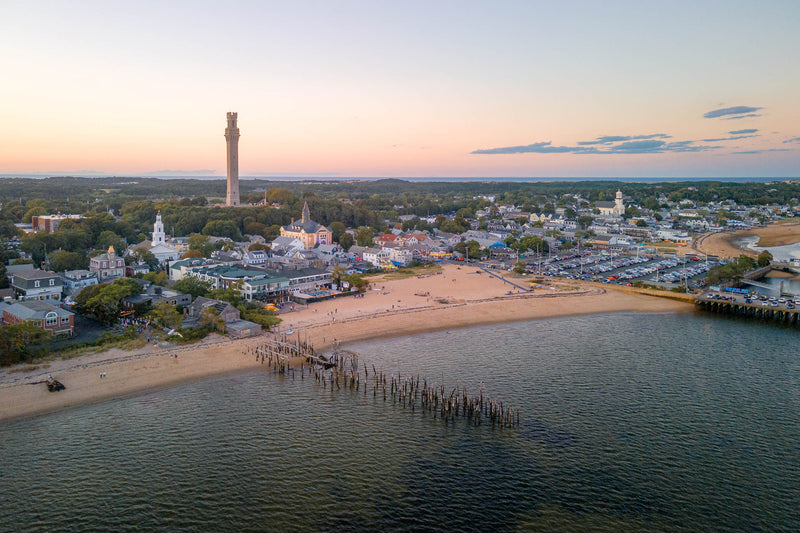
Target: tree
201 243
257 246
584 221
194 286
104 301
107 239
142 255
355 280
211 319
157 278
632 212
746 262
346 241
470 249
519 267
569 213
641 223
337 229
764 258
20 343
232 295
167 315
223 228
337 275
61 260
192 253
364 236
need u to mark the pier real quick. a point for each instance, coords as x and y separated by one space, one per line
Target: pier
342 370
758 311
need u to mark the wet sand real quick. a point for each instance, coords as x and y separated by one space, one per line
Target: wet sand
725 244
458 297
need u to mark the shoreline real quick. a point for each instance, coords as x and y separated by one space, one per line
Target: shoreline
724 244
457 298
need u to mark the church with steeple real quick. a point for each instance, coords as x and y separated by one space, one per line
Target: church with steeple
158 244
306 230
615 208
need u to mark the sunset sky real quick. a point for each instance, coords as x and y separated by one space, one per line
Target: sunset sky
402 89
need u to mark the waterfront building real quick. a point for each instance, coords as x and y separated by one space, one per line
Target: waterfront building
232 143
307 231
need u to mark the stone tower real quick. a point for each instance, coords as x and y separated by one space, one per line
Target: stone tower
232 141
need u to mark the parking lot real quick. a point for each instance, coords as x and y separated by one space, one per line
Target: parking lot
666 271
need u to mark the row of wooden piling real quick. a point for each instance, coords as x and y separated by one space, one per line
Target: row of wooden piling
341 370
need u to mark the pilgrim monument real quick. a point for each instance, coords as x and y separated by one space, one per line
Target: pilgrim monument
232 141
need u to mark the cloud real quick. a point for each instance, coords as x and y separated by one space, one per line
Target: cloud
795 140
734 138
762 151
644 146
535 148
736 110
751 115
610 139
638 147
742 132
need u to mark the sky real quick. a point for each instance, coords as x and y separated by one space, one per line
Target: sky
374 88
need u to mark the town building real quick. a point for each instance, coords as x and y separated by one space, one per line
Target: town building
50 223
310 233
108 266
615 208
155 294
75 280
51 318
37 285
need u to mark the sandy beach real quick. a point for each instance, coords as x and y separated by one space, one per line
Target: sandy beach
724 244
456 297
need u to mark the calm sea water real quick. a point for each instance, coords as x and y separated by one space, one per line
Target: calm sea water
630 422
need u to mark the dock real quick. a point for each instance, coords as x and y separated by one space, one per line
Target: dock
758 311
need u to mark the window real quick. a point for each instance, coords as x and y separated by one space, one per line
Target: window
52 282
51 319
36 283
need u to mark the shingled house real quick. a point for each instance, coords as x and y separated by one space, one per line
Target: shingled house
233 323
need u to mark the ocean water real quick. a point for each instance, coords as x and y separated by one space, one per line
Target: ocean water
629 422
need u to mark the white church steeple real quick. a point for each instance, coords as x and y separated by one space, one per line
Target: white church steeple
158 231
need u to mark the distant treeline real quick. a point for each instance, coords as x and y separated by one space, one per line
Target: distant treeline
113 193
